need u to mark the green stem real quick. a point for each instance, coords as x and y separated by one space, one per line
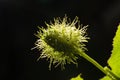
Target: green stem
95 63
114 77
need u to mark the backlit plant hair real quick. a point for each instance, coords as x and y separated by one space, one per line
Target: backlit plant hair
62 42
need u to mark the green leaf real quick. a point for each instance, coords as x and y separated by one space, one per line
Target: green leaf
77 78
105 78
114 60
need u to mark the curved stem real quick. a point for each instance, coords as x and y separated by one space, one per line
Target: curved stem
95 63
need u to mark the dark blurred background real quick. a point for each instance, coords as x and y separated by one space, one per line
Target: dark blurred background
18 23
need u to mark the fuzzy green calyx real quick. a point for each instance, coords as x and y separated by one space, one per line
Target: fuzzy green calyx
59 42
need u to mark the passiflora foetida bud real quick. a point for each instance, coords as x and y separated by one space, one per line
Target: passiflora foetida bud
59 42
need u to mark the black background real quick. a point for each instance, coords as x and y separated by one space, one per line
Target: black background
18 23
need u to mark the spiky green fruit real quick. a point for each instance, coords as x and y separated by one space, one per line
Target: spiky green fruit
59 42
